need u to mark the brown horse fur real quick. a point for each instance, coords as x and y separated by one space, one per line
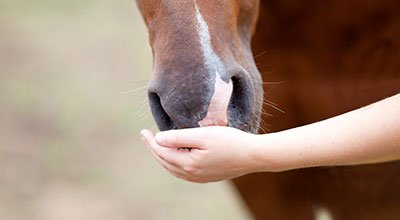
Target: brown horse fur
319 59
184 77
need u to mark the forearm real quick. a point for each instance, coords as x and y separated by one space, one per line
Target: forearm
367 135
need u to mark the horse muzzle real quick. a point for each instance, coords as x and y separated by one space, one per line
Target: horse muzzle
200 100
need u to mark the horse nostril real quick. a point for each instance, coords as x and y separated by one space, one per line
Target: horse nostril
163 120
240 103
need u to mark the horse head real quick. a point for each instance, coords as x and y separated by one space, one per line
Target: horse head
204 73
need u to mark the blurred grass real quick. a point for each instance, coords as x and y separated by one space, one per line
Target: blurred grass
69 145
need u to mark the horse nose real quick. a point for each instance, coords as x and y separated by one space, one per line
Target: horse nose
187 103
178 104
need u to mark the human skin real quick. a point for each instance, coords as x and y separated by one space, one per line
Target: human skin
367 135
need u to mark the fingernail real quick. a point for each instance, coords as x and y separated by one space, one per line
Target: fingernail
160 138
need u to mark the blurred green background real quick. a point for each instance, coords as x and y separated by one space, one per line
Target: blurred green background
69 144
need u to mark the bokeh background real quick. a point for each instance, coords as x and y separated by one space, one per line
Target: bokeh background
73 75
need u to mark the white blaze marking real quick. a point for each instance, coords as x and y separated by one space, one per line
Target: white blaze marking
217 113
211 60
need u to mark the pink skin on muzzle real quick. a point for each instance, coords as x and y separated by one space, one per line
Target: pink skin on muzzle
217 113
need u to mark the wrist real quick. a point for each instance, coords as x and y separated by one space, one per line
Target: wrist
275 152
265 154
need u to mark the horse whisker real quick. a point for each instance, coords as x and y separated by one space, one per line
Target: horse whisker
268 72
134 90
260 54
274 107
272 83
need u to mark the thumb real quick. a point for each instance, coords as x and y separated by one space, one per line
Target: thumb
185 138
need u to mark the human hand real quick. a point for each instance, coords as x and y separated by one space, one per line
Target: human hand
206 154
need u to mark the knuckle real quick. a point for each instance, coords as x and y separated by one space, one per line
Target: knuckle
193 171
189 169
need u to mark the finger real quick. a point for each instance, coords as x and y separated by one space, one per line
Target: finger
171 168
184 138
170 155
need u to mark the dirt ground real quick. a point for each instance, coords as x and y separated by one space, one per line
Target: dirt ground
69 145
